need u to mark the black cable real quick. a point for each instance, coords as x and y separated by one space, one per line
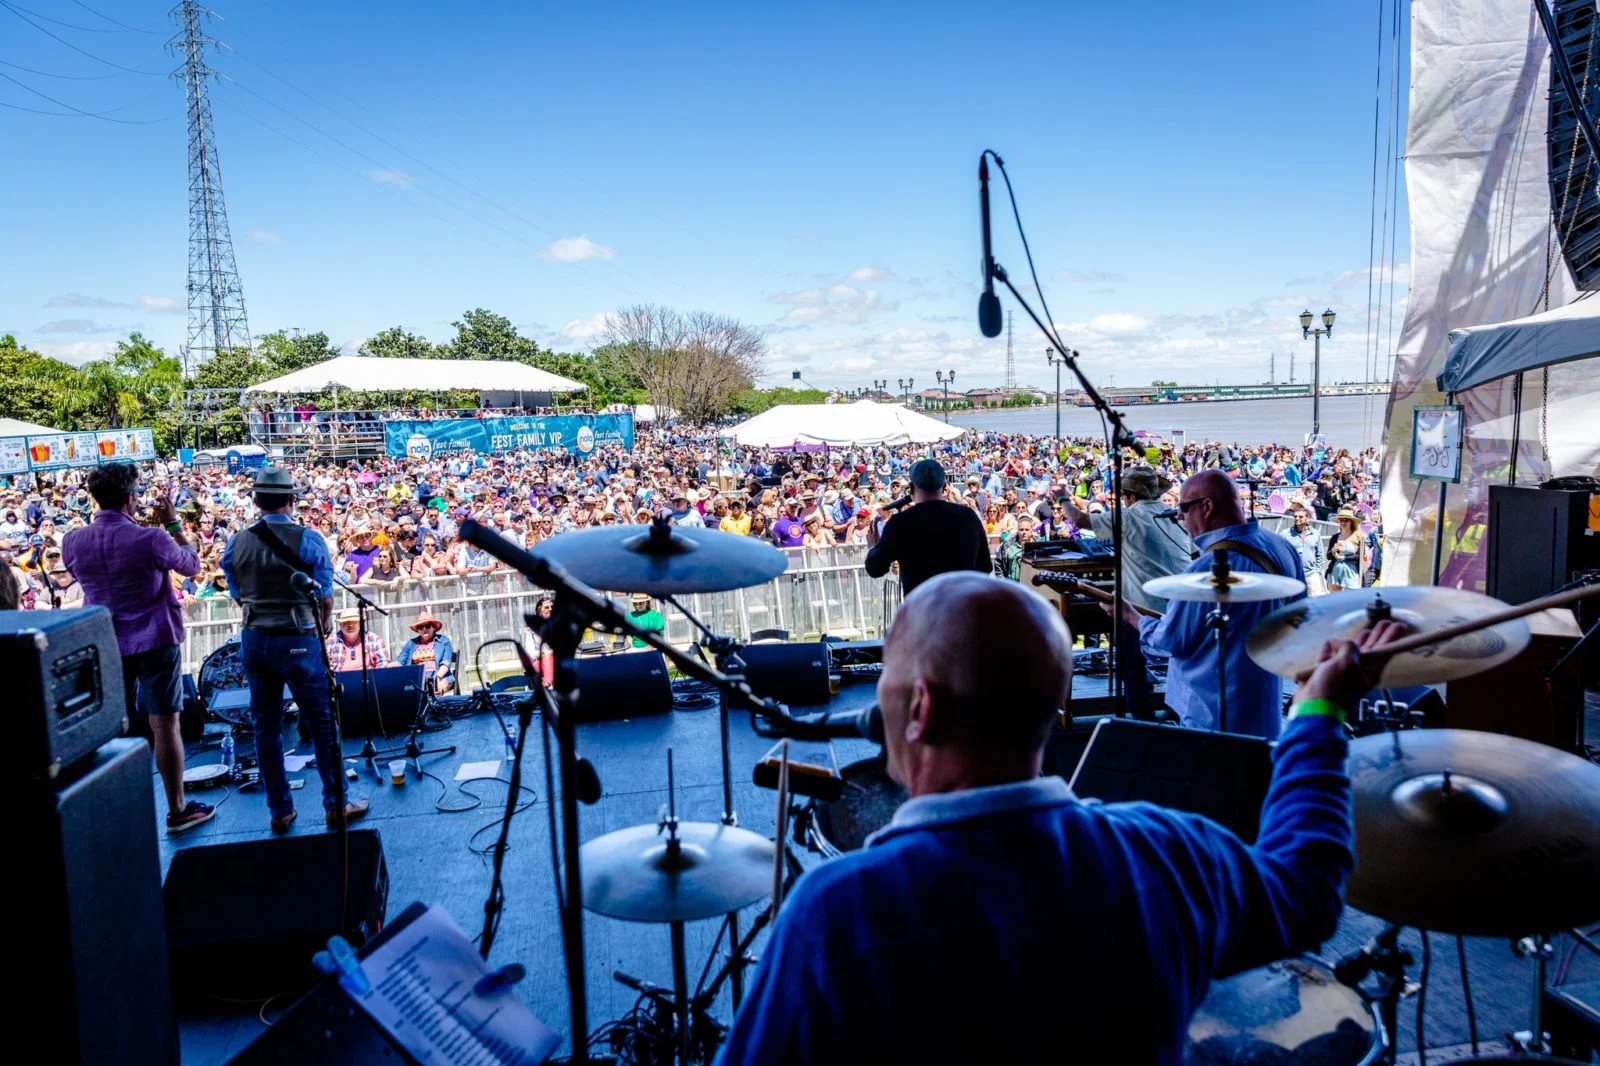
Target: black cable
1027 251
494 905
114 22
550 791
101 115
11 8
1422 998
68 25
1466 992
64 77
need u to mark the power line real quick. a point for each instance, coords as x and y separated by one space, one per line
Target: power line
70 25
67 77
57 37
114 22
101 115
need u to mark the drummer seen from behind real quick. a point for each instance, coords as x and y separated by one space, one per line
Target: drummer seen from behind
997 918
1209 508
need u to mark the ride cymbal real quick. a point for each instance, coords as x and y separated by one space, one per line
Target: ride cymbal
1289 641
1474 833
663 560
1240 586
643 875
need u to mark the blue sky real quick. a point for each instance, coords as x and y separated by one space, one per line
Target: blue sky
1191 175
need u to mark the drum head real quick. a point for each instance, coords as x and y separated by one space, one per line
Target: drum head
1291 1011
869 802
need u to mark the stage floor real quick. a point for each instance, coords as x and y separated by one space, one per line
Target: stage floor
429 859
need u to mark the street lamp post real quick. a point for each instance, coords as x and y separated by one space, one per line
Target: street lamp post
879 388
1052 358
1316 361
945 381
906 385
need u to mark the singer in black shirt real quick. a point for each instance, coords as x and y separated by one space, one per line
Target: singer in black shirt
931 537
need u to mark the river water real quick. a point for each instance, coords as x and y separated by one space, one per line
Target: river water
1250 422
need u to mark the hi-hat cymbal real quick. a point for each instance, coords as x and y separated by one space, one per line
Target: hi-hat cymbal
1289 640
663 560
1474 833
1242 586
639 875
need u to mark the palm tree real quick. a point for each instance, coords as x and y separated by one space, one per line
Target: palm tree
130 388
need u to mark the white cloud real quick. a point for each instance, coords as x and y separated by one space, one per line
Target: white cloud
77 325
161 305
1068 274
576 250
832 303
581 329
265 236
871 273
1118 323
398 178
78 299
75 352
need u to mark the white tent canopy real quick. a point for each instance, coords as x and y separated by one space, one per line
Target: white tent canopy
15 427
371 374
839 425
1480 354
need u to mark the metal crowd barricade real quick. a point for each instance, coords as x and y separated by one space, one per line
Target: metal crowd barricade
824 592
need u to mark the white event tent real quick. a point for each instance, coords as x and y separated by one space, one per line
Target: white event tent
791 426
16 427
372 374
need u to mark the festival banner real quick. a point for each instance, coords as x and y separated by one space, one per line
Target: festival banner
578 434
13 455
60 450
126 446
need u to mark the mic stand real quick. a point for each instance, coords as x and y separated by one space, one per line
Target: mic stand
1217 622
336 710
369 693
1118 437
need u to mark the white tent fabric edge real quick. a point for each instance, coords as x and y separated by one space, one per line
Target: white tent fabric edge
1480 354
366 373
840 425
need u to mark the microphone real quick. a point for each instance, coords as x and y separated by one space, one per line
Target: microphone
895 505
989 323
303 582
1171 513
840 725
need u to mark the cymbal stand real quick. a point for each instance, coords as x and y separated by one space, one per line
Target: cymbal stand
1383 956
1217 622
1540 949
725 650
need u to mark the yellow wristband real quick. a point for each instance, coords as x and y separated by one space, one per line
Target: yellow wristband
1313 708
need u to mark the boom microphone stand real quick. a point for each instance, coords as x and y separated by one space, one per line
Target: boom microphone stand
369 692
336 709
1117 436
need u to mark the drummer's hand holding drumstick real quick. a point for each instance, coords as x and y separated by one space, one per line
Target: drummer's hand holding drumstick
1347 670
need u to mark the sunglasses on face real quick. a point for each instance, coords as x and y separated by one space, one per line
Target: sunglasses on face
1184 505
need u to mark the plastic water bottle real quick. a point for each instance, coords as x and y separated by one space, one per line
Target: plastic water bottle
511 741
227 751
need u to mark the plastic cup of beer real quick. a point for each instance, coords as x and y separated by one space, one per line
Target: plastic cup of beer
397 772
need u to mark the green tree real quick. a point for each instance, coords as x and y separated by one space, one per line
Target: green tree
397 342
32 382
482 334
748 402
289 353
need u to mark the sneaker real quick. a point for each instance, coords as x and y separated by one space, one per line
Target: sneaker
191 816
282 822
352 810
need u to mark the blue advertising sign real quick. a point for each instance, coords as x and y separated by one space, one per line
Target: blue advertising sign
578 434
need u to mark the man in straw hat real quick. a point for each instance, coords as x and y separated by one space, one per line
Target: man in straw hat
433 650
282 575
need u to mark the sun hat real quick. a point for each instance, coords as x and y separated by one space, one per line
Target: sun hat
425 619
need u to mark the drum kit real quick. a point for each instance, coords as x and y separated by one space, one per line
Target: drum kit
1435 810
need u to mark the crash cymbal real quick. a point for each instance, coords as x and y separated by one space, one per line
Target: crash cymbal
638 874
1474 833
662 559
1242 587
1289 640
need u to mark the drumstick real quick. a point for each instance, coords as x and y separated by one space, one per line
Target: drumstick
1418 640
778 850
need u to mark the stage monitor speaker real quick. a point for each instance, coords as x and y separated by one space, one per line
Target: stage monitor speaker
1538 540
89 913
630 685
398 692
243 920
788 673
63 670
1522 697
1223 776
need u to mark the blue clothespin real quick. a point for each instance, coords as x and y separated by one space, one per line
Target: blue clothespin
340 959
497 981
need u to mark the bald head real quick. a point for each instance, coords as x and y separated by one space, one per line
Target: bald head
1209 500
975 671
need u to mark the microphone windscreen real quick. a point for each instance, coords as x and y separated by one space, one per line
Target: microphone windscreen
990 320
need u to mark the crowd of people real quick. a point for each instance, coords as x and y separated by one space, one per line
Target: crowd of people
389 521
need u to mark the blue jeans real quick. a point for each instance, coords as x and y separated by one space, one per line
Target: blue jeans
270 661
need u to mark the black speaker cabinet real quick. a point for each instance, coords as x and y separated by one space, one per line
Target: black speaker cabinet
789 673
90 916
243 920
1537 540
63 670
629 685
